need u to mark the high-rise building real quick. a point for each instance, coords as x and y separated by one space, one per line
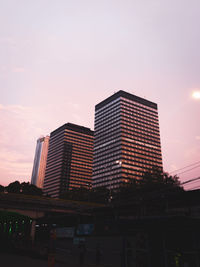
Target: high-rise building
126 139
40 160
69 162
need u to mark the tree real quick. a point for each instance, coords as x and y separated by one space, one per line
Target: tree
14 187
2 188
23 188
30 189
99 195
78 193
154 182
155 179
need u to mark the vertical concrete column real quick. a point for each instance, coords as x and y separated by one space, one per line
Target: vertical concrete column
33 231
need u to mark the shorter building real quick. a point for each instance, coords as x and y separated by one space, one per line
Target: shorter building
69 162
40 160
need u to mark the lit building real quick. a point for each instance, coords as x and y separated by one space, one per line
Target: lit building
126 139
40 160
69 162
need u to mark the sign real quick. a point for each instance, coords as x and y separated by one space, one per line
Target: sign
85 229
65 232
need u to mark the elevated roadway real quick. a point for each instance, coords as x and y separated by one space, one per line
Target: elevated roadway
36 206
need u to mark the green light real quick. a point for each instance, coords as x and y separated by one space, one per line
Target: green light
10 230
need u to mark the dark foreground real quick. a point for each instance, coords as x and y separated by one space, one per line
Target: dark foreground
143 242
62 259
14 260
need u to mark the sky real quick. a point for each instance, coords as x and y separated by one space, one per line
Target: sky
61 58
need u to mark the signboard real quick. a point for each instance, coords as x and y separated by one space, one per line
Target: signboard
65 232
85 229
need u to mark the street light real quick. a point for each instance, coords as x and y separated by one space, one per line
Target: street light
119 162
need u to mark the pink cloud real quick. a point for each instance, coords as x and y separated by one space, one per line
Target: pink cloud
16 142
19 69
22 126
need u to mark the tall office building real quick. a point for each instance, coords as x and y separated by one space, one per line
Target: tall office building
69 162
40 160
126 139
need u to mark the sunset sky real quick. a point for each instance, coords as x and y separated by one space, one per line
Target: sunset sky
59 58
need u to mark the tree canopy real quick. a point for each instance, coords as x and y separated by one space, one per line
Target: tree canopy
23 188
153 182
2 188
99 195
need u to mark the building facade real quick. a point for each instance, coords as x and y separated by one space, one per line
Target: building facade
69 162
40 160
126 139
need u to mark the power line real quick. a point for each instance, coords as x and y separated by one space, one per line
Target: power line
189 170
189 181
185 167
192 188
193 182
183 183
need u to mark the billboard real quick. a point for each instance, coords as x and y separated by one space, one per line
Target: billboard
85 229
65 232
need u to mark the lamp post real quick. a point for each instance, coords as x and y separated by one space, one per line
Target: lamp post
118 162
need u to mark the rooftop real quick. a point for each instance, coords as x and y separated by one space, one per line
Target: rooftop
73 127
124 94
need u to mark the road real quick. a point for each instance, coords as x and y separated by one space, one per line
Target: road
14 260
67 255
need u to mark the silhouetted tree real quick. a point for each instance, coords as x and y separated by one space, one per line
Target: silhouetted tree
23 188
2 188
152 182
100 195
79 193
30 189
14 187
156 179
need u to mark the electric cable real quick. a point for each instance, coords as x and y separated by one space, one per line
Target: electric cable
194 182
189 170
193 188
185 167
188 181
